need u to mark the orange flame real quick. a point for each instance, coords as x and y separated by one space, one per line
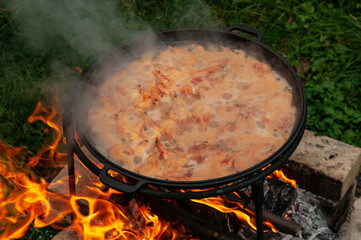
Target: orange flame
22 199
150 219
103 218
42 114
281 176
25 200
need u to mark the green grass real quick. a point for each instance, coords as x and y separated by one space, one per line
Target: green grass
322 40
45 233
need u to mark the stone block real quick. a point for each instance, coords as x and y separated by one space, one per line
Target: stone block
324 166
335 213
351 229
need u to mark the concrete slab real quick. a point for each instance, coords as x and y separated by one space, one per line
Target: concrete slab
324 166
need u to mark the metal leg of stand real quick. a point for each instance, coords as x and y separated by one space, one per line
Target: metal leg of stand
68 128
257 198
71 170
71 173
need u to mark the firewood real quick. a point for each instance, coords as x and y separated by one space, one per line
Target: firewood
281 224
194 224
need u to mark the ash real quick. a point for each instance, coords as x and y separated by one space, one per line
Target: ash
305 211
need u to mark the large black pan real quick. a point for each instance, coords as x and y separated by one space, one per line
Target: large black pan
135 183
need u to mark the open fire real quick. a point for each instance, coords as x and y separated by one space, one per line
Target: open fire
27 200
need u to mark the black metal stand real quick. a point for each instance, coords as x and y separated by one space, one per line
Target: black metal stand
71 170
257 198
257 190
68 128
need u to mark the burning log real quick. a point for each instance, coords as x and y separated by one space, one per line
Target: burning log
281 224
196 225
279 197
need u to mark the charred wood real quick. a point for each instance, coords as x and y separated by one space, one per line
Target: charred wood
279 197
281 224
202 211
194 224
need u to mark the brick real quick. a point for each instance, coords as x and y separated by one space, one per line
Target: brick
324 166
335 212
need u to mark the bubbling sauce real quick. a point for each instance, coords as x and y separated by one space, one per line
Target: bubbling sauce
190 113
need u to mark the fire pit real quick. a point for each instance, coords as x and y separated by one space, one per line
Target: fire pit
121 179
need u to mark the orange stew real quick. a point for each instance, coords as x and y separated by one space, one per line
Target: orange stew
190 113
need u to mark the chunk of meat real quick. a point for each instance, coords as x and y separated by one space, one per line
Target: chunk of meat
202 111
121 153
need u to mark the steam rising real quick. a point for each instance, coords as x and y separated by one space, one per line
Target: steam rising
90 27
94 27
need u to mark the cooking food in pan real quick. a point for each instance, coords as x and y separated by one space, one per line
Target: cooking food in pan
189 113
